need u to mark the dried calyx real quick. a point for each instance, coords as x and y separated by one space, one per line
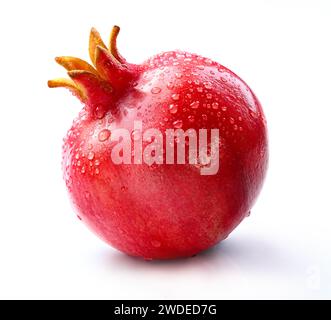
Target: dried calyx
100 83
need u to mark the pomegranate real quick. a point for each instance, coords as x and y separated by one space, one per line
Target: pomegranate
133 196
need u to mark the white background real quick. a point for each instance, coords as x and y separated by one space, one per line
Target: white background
282 49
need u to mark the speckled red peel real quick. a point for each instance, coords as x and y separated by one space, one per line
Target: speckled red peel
160 211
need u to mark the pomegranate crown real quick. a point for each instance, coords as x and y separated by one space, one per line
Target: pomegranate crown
97 84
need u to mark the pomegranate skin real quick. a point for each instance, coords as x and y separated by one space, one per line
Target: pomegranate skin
165 211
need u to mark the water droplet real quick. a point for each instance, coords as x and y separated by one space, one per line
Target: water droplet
173 108
231 120
97 171
195 104
175 97
204 117
197 82
190 118
104 135
214 105
240 118
170 85
253 114
188 95
90 146
155 90
136 134
83 169
200 67
209 95
200 89
100 112
97 162
178 124
165 119
79 163
208 62
207 85
224 108
90 155
178 75
235 127
156 243
240 129
77 156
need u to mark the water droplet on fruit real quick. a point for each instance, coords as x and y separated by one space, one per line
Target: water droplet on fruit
224 108
136 134
235 127
178 75
79 163
90 146
90 155
204 117
195 104
170 85
97 171
100 112
207 85
253 114
155 90
104 135
175 97
83 169
199 89
190 118
77 156
173 108
97 162
231 120
214 105
208 62
156 243
200 67
178 124
209 95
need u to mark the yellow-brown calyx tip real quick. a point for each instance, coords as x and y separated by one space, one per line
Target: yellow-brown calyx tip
72 63
95 40
112 42
69 84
